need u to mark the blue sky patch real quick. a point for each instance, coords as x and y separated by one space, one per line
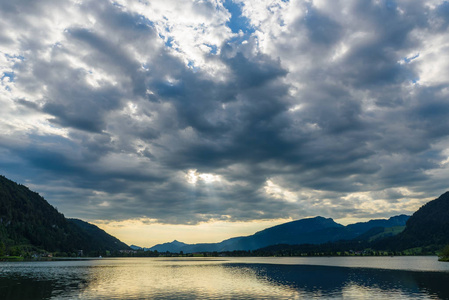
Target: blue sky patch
238 21
10 75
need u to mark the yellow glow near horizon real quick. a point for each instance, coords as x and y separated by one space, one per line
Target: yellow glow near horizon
144 233
352 220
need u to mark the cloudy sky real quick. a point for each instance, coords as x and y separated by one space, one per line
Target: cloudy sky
205 119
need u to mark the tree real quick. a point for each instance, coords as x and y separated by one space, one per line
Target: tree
2 248
444 254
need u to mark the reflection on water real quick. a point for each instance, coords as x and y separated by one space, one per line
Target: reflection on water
150 278
356 283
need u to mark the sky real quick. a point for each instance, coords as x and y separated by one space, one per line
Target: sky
207 119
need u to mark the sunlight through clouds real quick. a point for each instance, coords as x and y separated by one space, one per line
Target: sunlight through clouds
277 192
193 177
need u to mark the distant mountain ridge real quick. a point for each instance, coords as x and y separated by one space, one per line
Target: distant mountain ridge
316 230
28 219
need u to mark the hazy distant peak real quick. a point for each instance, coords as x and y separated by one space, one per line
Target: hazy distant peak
176 242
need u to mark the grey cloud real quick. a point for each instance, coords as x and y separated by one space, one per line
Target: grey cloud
28 104
255 72
130 144
78 105
320 28
111 58
22 7
442 15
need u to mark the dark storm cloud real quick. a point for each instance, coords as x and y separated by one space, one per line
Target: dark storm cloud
321 29
324 118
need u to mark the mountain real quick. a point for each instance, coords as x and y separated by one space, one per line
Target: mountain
134 247
92 238
363 227
379 233
296 231
428 227
174 246
426 231
27 219
316 230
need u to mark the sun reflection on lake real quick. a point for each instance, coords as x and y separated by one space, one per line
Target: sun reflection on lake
214 278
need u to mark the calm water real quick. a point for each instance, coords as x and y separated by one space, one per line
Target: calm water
228 278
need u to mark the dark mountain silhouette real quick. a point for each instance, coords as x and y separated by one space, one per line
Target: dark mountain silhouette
170 247
297 231
428 227
94 238
316 230
28 219
426 232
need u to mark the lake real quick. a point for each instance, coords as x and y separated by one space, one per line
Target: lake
227 278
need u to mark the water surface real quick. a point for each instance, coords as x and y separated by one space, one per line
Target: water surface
228 278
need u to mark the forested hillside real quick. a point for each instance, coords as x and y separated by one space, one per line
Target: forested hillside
27 219
427 228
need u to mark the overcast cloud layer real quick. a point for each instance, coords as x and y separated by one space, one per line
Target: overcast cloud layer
188 111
